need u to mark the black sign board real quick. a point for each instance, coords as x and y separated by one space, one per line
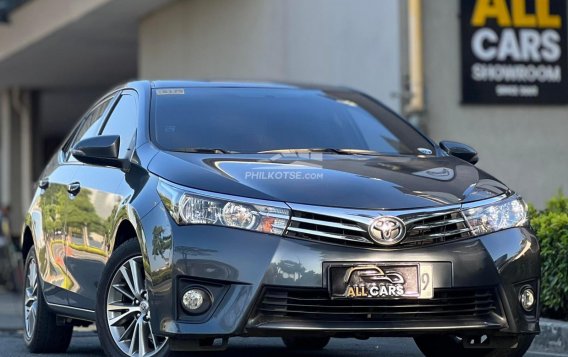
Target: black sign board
514 51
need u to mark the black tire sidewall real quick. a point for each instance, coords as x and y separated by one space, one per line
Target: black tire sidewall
46 336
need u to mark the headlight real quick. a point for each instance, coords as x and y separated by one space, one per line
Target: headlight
507 213
188 206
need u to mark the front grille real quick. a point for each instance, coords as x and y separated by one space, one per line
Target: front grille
421 228
315 305
326 228
435 228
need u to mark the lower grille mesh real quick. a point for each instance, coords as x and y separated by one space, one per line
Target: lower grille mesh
315 304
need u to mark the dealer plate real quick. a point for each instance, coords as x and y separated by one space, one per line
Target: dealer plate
381 281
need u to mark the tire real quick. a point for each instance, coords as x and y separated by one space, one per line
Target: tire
123 307
306 343
41 332
442 346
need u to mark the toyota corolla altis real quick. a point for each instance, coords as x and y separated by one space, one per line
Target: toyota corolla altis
177 215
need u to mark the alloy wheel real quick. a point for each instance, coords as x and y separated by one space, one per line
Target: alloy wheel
128 311
30 299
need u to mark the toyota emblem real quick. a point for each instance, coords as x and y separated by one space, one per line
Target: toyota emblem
387 230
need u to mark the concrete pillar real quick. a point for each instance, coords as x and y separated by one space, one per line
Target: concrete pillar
26 148
5 147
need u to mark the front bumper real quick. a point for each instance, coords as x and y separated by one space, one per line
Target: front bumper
241 267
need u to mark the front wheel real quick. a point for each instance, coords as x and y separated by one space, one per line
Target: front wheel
123 307
42 334
305 342
446 345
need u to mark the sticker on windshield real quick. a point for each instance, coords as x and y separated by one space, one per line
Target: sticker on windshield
170 91
425 151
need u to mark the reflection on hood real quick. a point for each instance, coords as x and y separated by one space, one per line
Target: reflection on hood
366 182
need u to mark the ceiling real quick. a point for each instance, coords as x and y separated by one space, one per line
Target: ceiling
98 49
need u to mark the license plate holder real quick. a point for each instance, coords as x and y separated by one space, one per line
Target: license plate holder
380 281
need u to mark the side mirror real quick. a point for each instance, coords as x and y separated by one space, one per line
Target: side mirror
459 150
101 151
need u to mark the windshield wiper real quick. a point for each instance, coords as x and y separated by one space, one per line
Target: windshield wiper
324 150
204 150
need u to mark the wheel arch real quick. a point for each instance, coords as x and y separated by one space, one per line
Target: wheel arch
127 228
124 232
27 241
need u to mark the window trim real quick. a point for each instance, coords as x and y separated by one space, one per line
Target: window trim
66 148
115 103
133 140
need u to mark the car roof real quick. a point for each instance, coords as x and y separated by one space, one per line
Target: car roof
237 84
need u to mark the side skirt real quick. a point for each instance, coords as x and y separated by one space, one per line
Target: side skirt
73 312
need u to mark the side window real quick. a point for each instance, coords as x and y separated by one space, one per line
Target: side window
90 125
123 122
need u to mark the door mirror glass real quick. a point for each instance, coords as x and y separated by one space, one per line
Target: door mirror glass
99 150
459 150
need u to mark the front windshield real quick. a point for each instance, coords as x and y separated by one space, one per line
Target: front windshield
252 120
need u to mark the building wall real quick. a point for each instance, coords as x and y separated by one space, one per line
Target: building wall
525 146
354 43
358 44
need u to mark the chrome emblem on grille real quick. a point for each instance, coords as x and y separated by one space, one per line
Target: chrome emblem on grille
387 230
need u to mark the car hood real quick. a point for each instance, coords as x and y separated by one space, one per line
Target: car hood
364 182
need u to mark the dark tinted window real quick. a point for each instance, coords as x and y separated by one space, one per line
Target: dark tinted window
90 124
122 121
253 120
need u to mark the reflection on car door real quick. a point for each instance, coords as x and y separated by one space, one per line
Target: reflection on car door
53 202
94 208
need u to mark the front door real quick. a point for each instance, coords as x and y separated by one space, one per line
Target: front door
94 208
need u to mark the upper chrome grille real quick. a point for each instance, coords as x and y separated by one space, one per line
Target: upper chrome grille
435 228
317 227
350 227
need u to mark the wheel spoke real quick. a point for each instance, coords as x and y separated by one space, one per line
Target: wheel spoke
152 336
121 319
128 280
121 289
142 338
121 306
32 317
133 340
135 278
128 333
30 297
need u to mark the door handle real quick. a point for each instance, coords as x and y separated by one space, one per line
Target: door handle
74 188
43 183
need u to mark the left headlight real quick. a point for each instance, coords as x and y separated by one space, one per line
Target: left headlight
188 206
507 213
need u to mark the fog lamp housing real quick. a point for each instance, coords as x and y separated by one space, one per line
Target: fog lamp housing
527 299
196 300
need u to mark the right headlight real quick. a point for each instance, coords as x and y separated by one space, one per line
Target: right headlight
507 213
189 206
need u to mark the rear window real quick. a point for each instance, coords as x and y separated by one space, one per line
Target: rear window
251 120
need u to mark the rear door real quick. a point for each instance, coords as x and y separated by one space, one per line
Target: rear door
100 192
